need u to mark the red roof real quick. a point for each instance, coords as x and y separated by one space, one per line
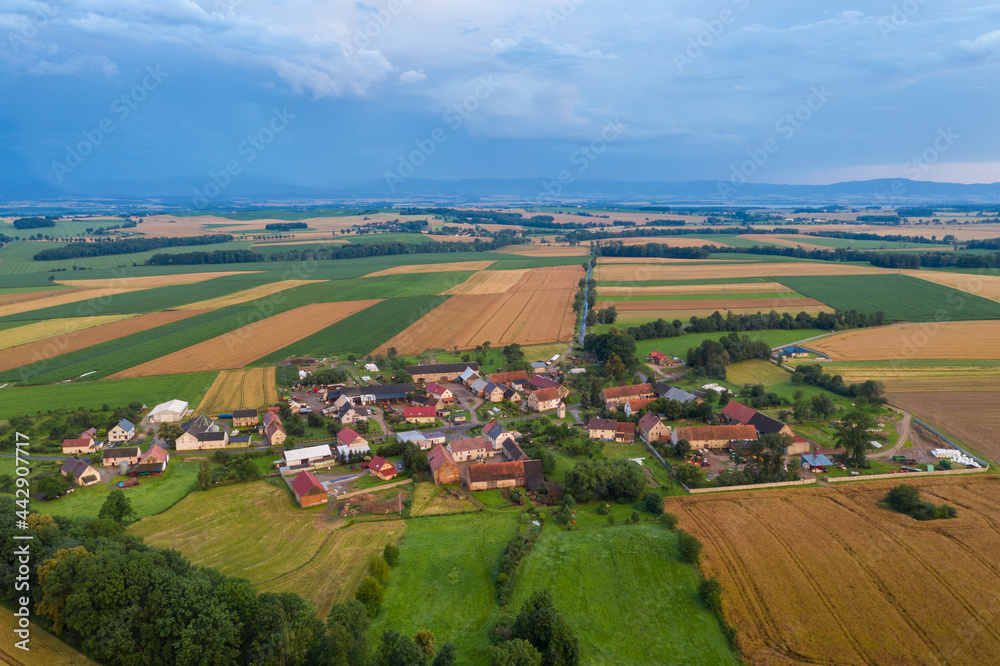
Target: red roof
378 462
546 395
543 383
156 452
738 412
626 391
347 436
715 433
507 377
436 389
439 456
638 403
306 484
82 441
657 355
419 412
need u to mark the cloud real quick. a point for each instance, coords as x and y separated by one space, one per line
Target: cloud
412 76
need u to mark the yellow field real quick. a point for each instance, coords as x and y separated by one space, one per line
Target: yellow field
901 376
987 286
46 649
150 281
754 304
488 282
246 295
43 330
247 388
691 289
432 268
973 340
546 250
624 273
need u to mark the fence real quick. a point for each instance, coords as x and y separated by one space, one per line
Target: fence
957 446
906 475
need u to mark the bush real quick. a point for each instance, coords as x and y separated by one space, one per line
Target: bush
710 591
906 499
379 569
669 520
371 594
390 554
635 517
652 502
688 546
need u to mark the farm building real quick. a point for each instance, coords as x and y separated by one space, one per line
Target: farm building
544 400
431 401
349 438
439 372
512 379
122 432
538 368
126 454
652 429
202 433
381 468
308 490
715 437
442 393
513 452
602 429
420 439
619 395
366 395
85 443
443 467
168 412
670 392
488 476
625 432
737 413
815 462
469 449
536 383
664 360
243 418
83 472
496 434
468 376
156 458
308 456
419 414
346 451
478 385
275 433
633 406
493 392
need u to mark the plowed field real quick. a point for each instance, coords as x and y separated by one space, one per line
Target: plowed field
625 273
827 576
250 342
245 295
947 340
247 388
432 268
961 407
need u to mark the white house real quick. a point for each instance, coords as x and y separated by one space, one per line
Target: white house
123 432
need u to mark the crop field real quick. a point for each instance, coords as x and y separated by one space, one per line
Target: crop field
46 649
444 580
33 354
692 289
17 257
987 286
488 282
546 250
246 295
432 268
92 395
641 272
254 531
248 343
765 304
932 340
899 373
783 241
30 294
600 576
53 327
826 575
756 372
246 388
901 297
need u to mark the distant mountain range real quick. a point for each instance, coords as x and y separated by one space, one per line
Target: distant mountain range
202 193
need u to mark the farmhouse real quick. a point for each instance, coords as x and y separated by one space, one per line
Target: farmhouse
619 395
420 439
625 432
492 392
664 360
85 443
350 413
168 412
442 393
419 414
243 418
123 432
126 454
152 463
513 452
308 490
275 433
381 468
511 395
669 392
715 437
468 449
202 433
496 434
307 457
443 467
544 400
652 429
602 429
350 439
538 383
633 406
487 476
83 473
439 372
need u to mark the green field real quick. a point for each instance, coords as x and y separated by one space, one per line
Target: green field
91 395
901 297
394 237
757 258
626 595
847 243
17 257
444 580
700 297
671 283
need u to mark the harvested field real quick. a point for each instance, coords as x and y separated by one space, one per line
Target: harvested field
546 250
826 575
786 241
715 304
932 340
962 408
46 649
668 260
43 330
41 350
902 375
7 299
247 388
432 268
246 295
150 281
672 241
624 273
987 286
687 289
249 343
631 317
488 282
312 241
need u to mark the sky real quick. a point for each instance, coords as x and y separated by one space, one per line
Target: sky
316 92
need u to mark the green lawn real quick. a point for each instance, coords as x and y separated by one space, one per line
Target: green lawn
672 283
626 595
444 581
151 496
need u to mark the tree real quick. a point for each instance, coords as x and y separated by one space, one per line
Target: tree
852 434
710 591
822 405
546 629
204 474
169 432
51 486
390 554
801 410
652 502
690 475
669 520
425 640
371 594
117 507
515 652
379 569
396 649
445 656
615 367
635 518
903 498
688 546
682 447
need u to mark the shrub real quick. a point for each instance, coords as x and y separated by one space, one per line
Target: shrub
390 554
669 520
710 591
371 594
635 517
379 569
688 546
652 502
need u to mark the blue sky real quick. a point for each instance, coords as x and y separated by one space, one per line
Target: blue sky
319 92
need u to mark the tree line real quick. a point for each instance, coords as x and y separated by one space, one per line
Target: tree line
35 222
285 226
126 246
769 321
870 391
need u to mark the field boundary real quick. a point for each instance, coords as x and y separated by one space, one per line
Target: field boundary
373 489
754 486
907 475
961 448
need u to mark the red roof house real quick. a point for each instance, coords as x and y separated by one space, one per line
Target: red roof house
419 414
308 490
382 468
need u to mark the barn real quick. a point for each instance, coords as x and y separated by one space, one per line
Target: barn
308 490
488 476
172 411
443 467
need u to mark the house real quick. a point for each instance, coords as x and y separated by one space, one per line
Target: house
478 385
463 450
815 462
544 400
443 467
202 433
152 463
243 418
420 414
168 412
85 443
625 432
619 395
715 437
536 383
123 432
436 403
350 413
602 429
670 392
381 468
308 490
493 392
487 476
468 376
798 445
308 456
511 395
420 439
538 368
439 372
512 451
633 406
126 454
271 416
83 472
661 359
737 413
349 438
275 433
510 378
652 429
442 393
496 434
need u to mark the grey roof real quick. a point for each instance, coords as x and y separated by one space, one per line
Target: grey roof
440 368
410 436
74 467
765 424
244 413
122 452
240 439
495 431
218 436
380 391
534 476
479 385
665 390
514 451
125 424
